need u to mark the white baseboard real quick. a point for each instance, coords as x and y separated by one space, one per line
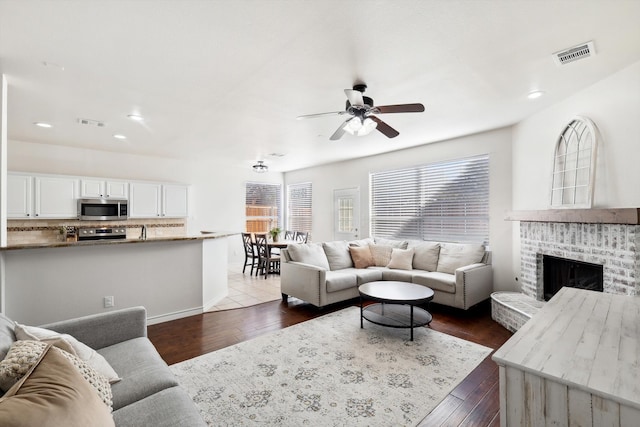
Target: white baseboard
152 320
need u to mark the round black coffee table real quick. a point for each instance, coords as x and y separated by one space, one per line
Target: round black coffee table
396 306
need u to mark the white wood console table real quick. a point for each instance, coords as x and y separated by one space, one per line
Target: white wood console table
576 362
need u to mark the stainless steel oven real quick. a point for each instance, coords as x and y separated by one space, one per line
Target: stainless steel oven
103 209
102 233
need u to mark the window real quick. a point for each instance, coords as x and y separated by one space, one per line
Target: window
299 207
263 207
574 165
445 201
345 215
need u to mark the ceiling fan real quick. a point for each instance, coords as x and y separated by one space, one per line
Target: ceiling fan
362 110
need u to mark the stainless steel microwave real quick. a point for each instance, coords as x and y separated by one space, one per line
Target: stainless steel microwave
103 209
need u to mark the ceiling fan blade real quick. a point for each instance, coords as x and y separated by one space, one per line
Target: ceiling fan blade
401 108
340 131
387 130
354 97
310 116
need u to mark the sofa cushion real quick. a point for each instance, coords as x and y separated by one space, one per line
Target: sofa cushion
7 336
381 254
309 253
142 369
171 407
361 256
84 352
401 259
400 244
368 275
53 393
426 256
339 280
338 254
456 255
444 282
398 275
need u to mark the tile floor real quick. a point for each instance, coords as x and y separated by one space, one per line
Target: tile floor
246 290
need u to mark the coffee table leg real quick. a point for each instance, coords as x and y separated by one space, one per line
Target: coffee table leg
411 320
361 317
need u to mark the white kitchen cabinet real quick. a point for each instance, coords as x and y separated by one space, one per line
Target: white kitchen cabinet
19 196
145 200
175 200
101 188
56 197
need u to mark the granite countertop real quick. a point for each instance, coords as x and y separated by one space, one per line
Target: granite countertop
204 235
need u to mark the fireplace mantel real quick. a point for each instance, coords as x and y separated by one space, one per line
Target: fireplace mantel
583 216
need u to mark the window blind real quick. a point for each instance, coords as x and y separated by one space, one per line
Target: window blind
445 201
299 207
263 207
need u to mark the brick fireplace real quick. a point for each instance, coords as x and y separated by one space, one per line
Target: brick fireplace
607 237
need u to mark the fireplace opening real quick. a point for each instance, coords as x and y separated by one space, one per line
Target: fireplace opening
559 272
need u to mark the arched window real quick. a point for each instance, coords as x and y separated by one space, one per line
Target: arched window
574 165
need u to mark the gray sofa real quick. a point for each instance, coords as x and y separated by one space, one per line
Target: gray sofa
460 275
148 394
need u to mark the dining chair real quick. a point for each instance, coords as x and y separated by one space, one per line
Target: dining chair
301 237
267 262
250 257
289 235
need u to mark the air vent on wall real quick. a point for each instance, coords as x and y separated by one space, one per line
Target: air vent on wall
574 53
90 122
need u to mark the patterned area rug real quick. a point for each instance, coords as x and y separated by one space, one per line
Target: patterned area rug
329 372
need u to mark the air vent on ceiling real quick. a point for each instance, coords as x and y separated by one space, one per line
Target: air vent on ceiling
574 53
90 122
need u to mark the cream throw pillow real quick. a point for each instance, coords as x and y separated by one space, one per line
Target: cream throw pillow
381 254
426 256
83 351
20 358
401 259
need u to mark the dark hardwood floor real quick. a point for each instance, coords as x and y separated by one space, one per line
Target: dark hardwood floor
474 402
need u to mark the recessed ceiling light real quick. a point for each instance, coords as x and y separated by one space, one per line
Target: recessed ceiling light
136 117
535 94
43 125
119 136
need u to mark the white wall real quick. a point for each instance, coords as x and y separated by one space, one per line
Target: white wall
355 173
614 105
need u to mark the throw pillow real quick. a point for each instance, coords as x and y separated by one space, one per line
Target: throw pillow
337 254
361 256
426 256
381 254
456 255
83 351
21 357
309 253
53 393
401 259
24 354
362 242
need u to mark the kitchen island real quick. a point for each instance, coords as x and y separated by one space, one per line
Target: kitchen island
172 277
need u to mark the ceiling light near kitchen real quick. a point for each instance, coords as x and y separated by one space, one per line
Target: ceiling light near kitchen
43 125
136 117
119 136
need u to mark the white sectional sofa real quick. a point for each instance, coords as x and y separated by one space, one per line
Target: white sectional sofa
460 275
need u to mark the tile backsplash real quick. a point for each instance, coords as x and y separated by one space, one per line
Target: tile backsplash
21 232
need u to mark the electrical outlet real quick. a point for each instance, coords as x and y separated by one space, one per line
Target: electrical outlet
109 302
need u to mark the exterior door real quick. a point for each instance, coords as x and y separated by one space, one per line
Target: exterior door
346 207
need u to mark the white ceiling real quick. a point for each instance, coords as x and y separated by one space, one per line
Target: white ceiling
225 79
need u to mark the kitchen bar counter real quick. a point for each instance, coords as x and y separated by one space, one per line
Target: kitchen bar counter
204 235
172 277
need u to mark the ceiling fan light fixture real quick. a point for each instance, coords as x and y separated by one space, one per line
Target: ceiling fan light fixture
260 167
360 127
